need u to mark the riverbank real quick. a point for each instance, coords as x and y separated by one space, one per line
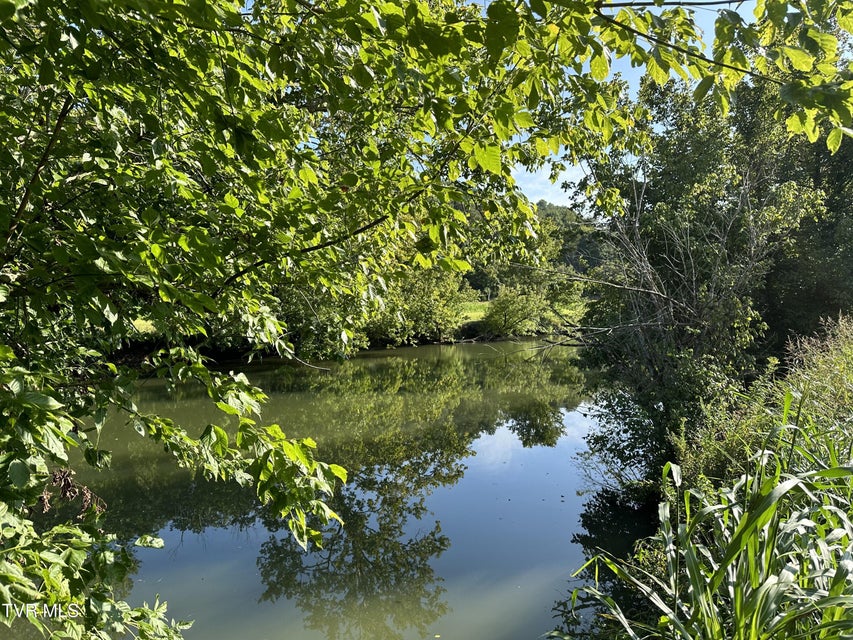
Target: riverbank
762 493
476 323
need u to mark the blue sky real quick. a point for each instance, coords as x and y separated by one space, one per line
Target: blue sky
537 186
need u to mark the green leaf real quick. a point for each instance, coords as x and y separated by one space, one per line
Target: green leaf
41 400
7 9
152 542
833 140
363 75
599 66
227 408
703 87
339 472
488 157
231 201
759 511
157 252
845 19
352 30
657 72
523 120
800 59
308 175
98 458
221 439
834 472
436 43
501 27
795 122
19 473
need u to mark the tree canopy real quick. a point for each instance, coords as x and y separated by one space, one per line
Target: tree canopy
177 162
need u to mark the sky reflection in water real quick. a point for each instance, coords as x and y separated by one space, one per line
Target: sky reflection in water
455 528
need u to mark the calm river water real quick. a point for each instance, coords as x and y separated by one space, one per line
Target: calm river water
459 513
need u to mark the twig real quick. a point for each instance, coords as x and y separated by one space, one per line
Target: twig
40 165
605 283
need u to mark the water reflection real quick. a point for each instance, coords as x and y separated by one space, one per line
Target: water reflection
363 567
404 427
624 446
612 521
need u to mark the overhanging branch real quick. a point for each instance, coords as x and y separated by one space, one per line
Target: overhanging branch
40 165
691 54
317 247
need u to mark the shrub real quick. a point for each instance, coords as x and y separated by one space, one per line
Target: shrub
766 551
425 306
516 311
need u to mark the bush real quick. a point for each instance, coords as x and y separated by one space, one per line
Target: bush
766 551
516 312
425 306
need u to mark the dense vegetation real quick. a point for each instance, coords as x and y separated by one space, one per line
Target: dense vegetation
727 253
761 548
212 169
703 279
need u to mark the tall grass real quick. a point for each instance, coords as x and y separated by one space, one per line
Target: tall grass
770 553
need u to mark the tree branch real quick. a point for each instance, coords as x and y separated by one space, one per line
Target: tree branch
673 3
339 239
40 165
691 54
323 245
614 285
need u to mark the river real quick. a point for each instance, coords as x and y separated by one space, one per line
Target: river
459 513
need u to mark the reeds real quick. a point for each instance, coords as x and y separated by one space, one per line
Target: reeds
769 554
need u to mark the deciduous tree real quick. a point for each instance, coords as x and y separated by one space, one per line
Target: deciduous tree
175 161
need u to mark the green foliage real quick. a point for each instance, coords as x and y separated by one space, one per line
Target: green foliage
763 550
812 279
183 164
538 295
765 558
421 306
576 238
705 215
516 312
815 392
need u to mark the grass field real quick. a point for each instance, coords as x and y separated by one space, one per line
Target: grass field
474 311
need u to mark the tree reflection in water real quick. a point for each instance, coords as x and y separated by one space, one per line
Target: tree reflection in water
402 426
373 579
622 512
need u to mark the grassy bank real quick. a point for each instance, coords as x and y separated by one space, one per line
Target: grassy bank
474 311
755 538
474 321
